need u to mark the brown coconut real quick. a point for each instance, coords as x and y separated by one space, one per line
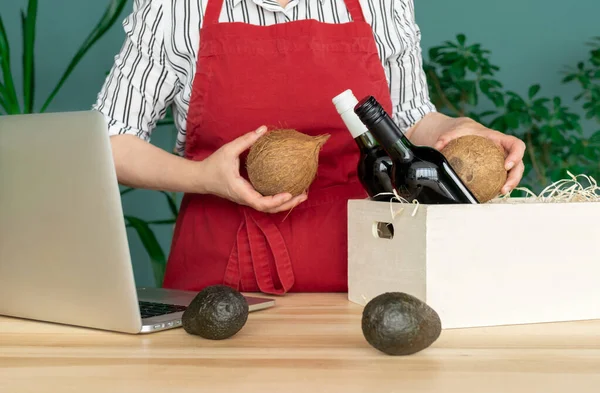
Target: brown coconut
284 161
479 163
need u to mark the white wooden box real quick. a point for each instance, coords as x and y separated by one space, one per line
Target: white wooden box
481 265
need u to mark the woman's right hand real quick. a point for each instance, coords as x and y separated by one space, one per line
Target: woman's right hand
221 177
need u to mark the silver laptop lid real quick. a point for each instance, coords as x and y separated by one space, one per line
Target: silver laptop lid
64 255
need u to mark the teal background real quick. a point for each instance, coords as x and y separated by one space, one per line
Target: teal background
531 41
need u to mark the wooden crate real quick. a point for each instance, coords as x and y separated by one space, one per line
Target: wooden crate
492 264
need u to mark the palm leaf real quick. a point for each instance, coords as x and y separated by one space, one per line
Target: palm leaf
3 92
28 23
2 103
114 9
169 221
148 238
7 89
171 202
167 121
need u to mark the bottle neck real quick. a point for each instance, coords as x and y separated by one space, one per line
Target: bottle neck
393 140
366 141
385 131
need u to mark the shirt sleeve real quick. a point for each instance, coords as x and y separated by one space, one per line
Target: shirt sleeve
404 68
140 86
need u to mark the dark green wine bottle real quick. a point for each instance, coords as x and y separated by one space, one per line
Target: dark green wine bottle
374 165
418 172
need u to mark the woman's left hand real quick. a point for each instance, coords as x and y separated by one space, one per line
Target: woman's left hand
514 148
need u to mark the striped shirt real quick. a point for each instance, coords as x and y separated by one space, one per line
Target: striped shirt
156 66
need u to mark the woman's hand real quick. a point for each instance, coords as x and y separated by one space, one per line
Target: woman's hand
437 129
513 147
221 177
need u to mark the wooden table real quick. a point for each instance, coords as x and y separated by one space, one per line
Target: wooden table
306 344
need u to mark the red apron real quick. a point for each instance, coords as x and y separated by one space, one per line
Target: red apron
283 75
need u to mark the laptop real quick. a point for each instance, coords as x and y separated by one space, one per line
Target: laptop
64 253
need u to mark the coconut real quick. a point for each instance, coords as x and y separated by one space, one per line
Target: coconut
284 161
479 163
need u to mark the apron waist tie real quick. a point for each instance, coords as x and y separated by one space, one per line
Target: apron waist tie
259 241
259 245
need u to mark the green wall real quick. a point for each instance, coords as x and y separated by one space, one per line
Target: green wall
531 41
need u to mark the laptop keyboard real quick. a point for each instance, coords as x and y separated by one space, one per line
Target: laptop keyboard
149 309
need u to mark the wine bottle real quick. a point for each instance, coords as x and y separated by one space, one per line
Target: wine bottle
418 172
374 165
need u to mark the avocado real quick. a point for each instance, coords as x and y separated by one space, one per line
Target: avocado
216 313
397 323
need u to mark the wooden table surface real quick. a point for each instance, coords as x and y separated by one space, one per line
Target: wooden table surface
307 343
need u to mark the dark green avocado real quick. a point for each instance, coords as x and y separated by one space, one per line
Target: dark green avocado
400 324
216 313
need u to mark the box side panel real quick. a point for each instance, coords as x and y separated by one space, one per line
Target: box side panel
513 264
377 265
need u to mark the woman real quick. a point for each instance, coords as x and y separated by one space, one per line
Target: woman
232 67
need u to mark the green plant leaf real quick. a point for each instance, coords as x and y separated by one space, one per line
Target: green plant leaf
169 221
557 102
533 90
485 86
541 112
457 70
476 49
595 137
9 94
171 202
114 9
472 64
461 38
28 25
153 248
2 104
584 79
167 119
448 58
472 97
434 52
541 101
487 113
498 124
516 103
545 129
512 120
524 119
590 114
595 59
496 83
497 99
450 44
127 191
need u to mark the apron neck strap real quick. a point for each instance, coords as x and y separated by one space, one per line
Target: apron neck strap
213 11
355 10
214 7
